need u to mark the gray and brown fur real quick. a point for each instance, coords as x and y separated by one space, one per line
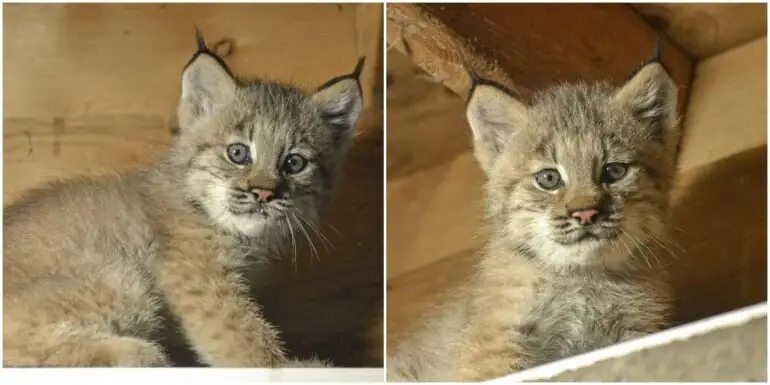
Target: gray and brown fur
537 294
92 266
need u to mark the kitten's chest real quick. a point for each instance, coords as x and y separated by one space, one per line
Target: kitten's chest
569 316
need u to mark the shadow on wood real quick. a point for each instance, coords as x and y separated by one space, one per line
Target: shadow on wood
719 216
332 306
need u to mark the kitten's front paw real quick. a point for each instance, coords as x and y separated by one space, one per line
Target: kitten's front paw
631 335
310 363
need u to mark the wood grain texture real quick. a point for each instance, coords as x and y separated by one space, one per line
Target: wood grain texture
707 29
414 294
726 102
426 121
535 45
90 88
719 205
438 50
434 213
148 44
369 36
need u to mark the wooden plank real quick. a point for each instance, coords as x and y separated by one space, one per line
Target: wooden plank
437 49
536 45
434 213
369 35
426 122
39 150
719 216
719 205
127 58
727 102
413 295
707 29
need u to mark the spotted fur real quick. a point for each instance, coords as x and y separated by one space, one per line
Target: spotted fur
93 266
546 287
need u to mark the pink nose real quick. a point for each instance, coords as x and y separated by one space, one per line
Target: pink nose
263 195
585 216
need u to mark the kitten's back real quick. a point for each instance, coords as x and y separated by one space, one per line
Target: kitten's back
68 226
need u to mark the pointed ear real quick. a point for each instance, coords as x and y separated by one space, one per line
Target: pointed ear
651 96
494 115
340 101
206 85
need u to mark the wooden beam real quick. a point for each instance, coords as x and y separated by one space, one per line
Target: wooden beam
533 45
707 29
426 121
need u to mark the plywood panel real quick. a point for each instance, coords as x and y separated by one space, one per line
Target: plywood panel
534 45
708 28
414 294
728 106
434 213
426 121
89 89
719 206
127 58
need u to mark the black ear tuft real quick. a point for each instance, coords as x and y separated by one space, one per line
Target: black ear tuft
657 57
340 99
201 40
204 50
359 68
475 80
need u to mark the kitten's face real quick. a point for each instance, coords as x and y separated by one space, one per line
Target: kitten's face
581 177
261 155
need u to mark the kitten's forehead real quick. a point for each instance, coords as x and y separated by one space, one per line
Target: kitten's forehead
277 102
574 126
274 114
574 109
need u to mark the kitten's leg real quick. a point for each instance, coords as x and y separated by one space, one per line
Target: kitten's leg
221 323
81 350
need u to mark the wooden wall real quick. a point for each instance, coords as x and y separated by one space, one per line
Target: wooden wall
89 88
707 29
434 186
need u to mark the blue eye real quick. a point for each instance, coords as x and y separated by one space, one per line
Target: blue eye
614 172
238 153
548 179
294 163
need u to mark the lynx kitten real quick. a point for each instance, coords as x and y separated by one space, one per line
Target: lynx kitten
91 265
577 188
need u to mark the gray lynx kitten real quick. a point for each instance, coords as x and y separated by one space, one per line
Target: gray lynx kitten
577 188
91 265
